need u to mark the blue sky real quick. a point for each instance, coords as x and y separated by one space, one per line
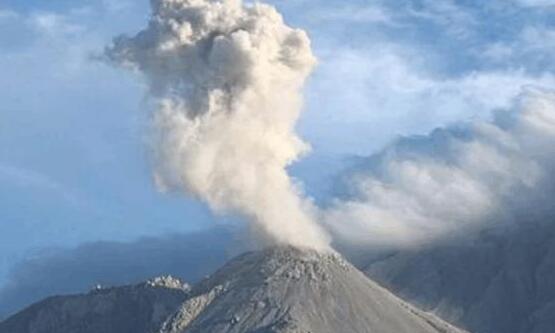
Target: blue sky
73 164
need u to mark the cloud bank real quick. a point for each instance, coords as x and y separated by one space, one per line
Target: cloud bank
460 178
536 3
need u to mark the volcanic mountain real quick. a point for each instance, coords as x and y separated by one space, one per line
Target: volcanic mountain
275 290
137 308
499 280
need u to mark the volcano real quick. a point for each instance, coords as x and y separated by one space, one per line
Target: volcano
283 289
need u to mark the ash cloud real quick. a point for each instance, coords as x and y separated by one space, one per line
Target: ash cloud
454 181
226 79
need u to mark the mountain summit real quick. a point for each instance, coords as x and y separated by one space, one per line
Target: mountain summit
283 290
291 290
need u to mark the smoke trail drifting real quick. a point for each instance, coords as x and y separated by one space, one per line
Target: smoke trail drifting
227 79
455 180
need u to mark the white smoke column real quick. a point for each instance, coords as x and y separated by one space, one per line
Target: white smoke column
454 181
227 79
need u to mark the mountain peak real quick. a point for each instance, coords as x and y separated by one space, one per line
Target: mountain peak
169 282
285 289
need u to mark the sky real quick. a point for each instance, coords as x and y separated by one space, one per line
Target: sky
73 163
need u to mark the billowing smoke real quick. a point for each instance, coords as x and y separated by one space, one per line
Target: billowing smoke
455 180
227 79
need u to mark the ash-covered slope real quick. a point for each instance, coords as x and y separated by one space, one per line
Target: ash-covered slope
289 290
131 309
499 281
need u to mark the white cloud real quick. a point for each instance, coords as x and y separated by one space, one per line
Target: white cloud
6 14
370 14
498 52
453 18
385 91
54 24
536 3
533 45
537 39
116 5
454 180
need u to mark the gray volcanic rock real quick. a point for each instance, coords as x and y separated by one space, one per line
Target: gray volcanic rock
131 309
499 281
289 290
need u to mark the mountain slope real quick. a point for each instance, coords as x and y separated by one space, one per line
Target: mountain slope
289 290
131 309
499 281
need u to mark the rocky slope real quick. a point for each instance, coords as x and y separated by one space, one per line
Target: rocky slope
132 309
499 281
276 290
288 290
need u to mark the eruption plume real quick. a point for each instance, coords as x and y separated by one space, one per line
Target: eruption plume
227 81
